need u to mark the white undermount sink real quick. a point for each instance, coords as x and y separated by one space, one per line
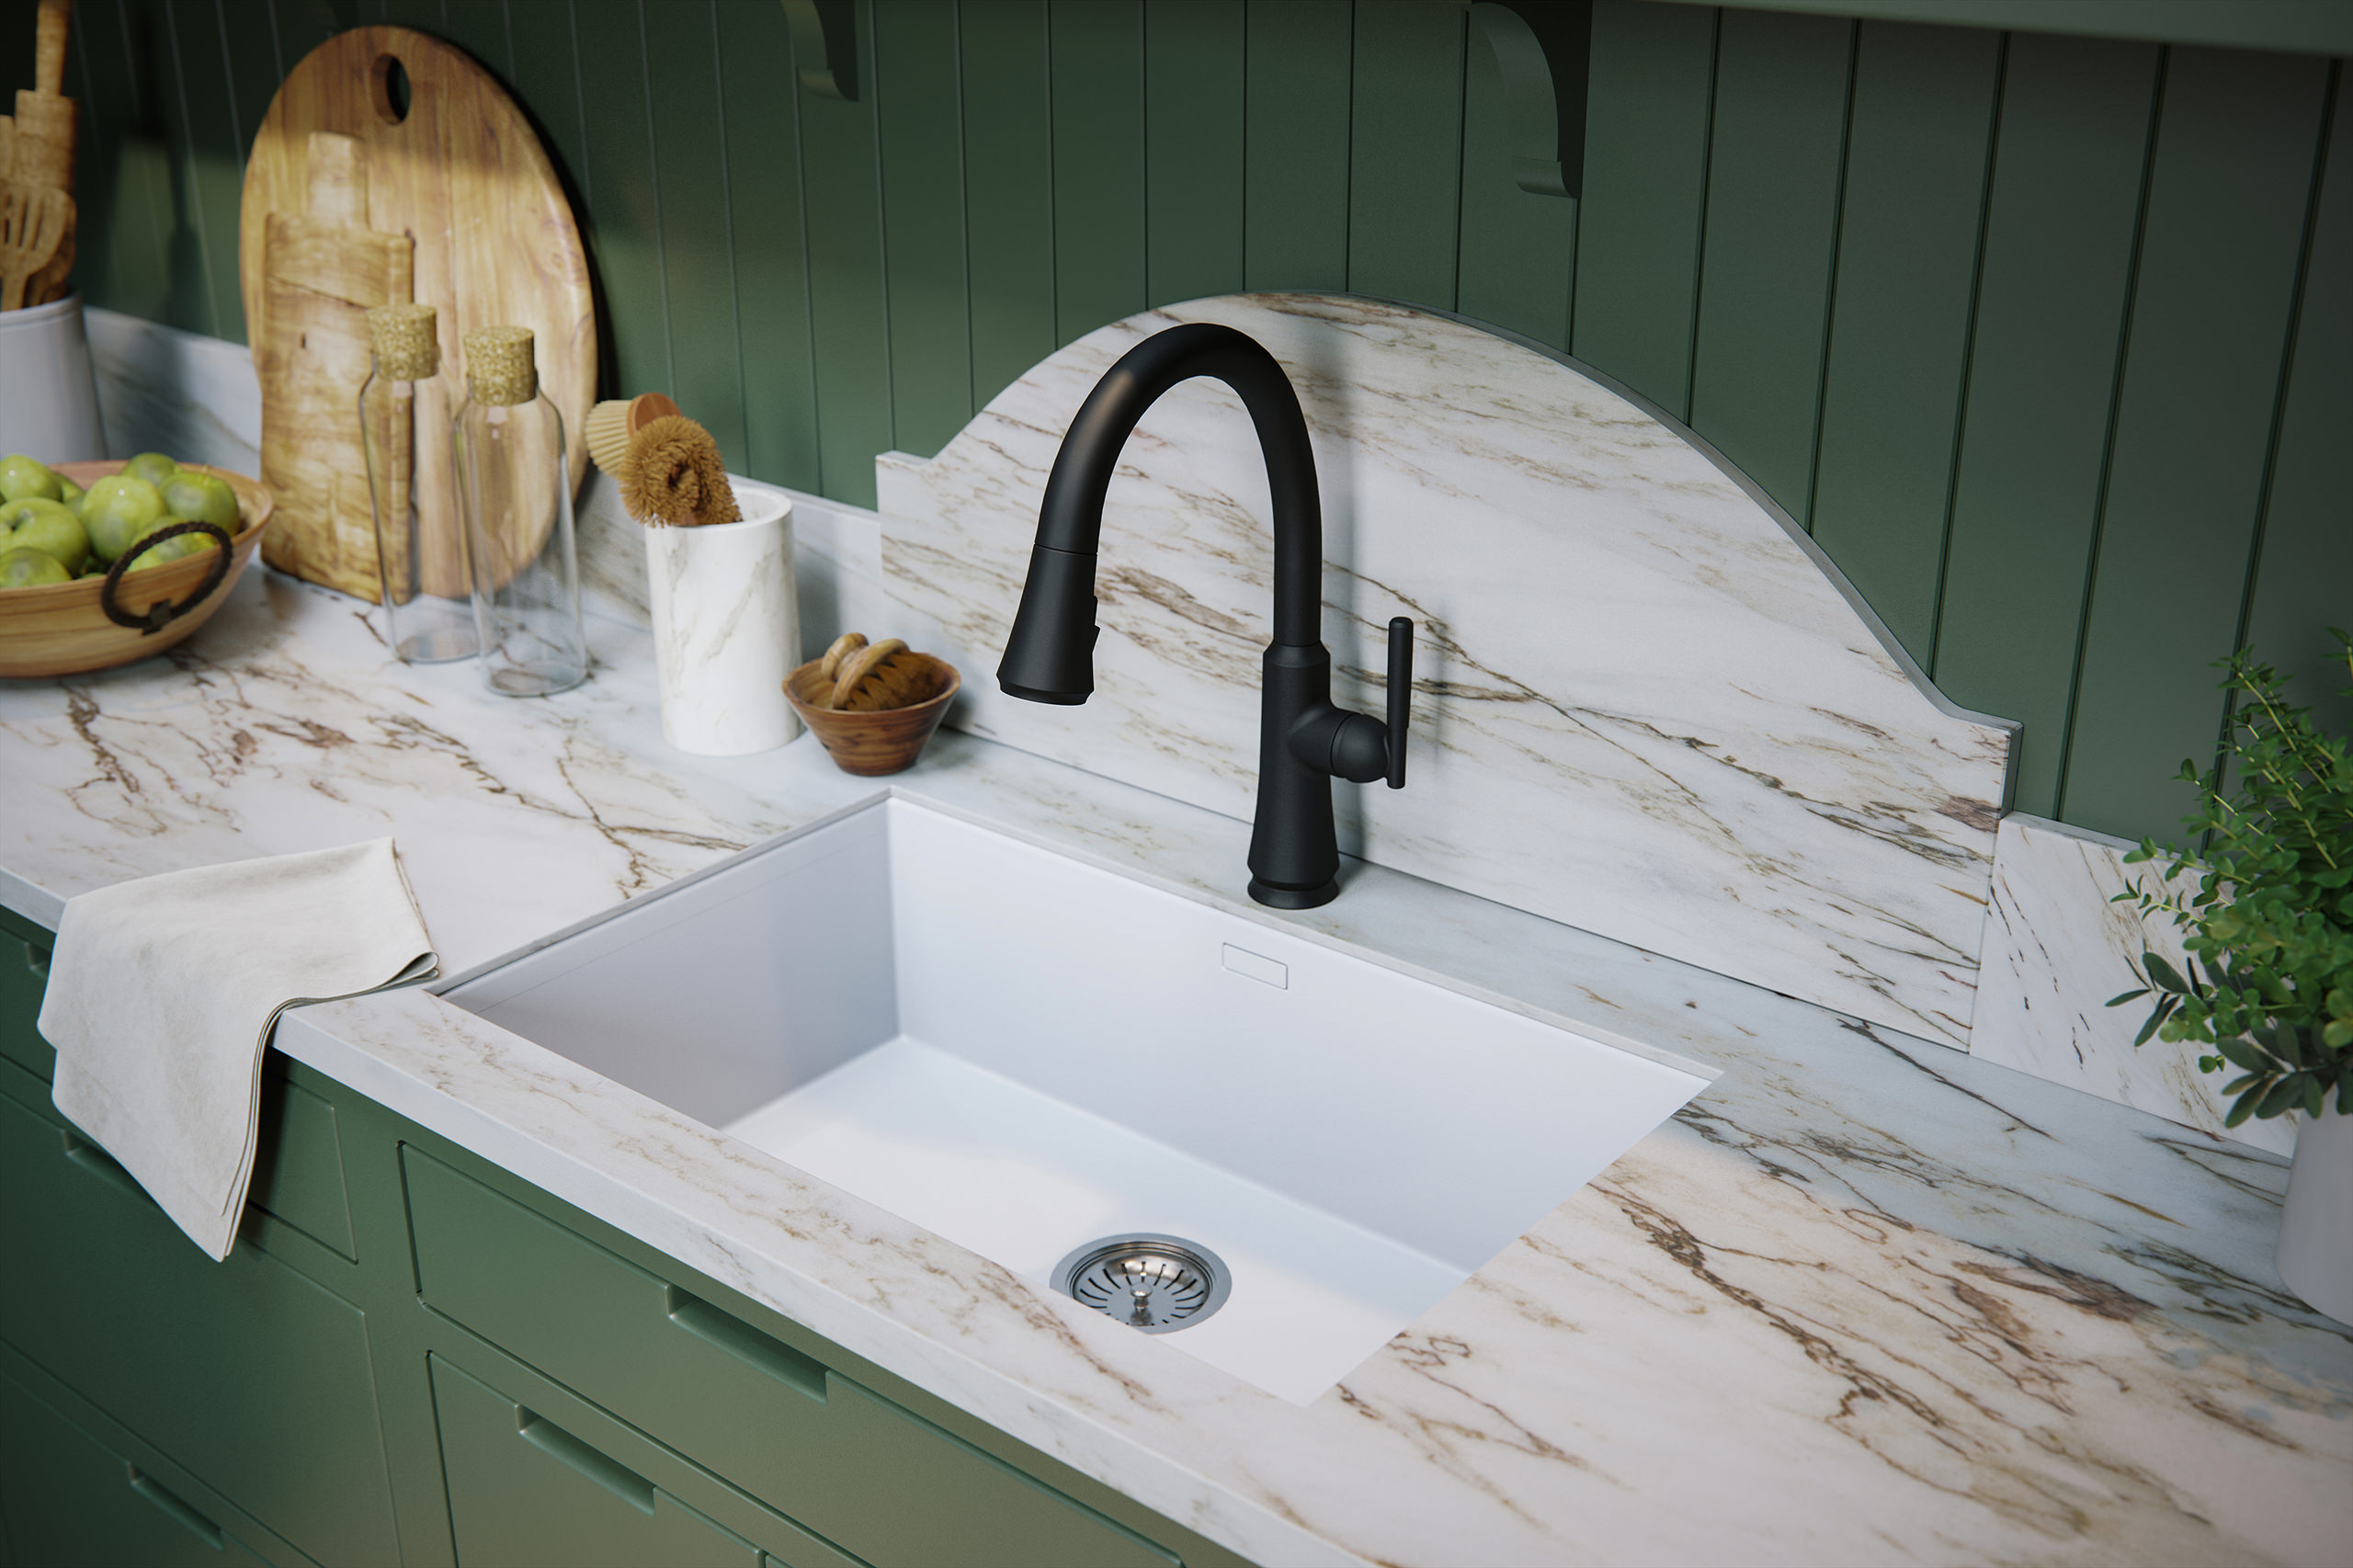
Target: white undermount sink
1024 1053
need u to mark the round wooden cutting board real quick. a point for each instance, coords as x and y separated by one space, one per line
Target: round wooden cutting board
459 171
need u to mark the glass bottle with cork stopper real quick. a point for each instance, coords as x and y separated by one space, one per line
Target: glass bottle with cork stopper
426 590
516 490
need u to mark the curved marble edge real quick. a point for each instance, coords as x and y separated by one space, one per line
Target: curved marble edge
1889 645
1865 1299
1641 705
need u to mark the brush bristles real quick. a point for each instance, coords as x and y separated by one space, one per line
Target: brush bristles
671 474
607 435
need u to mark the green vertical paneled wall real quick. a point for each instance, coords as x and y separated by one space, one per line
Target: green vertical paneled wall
2047 340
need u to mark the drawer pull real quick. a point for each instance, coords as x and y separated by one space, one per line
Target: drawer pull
97 1162
561 1446
747 1345
172 1508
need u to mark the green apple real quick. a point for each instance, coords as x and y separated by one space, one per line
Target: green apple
119 510
153 467
22 476
202 498
177 548
47 525
30 569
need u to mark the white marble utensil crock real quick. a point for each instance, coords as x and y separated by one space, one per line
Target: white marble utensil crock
726 629
48 399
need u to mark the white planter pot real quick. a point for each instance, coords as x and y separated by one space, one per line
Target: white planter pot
48 395
2316 1228
726 627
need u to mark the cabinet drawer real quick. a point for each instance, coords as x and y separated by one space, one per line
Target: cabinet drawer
256 1378
67 1502
298 1165
524 1493
849 1465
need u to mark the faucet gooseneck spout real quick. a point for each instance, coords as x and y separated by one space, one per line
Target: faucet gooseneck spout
1304 741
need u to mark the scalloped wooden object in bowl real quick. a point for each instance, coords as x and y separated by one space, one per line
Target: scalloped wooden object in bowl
59 628
880 739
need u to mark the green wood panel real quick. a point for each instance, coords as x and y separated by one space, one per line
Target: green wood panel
1917 154
765 235
2075 118
1405 157
302 24
622 224
1770 243
545 80
480 31
841 206
1295 157
208 170
253 75
697 270
1647 111
1097 85
1008 190
524 1493
1193 149
2228 198
923 220
1518 250
2304 584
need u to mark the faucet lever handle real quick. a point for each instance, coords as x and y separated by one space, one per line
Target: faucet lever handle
1401 696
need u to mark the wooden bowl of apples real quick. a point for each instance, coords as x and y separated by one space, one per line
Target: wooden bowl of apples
137 607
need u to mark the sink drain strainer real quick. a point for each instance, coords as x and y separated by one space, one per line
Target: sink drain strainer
1158 1284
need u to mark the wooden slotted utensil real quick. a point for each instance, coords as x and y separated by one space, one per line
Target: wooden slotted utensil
38 147
32 224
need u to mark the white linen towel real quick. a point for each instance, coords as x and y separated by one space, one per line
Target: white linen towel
162 994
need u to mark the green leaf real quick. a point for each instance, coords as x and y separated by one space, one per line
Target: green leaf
2127 996
2243 1108
2313 1095
2282 1095
2165 974
2239 1053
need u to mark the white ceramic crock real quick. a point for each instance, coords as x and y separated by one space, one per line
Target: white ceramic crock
48 394
726 627
2315 1252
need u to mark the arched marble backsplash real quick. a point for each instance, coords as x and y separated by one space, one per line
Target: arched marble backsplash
1642 706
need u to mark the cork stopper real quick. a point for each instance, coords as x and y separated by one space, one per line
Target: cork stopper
404 343
499 367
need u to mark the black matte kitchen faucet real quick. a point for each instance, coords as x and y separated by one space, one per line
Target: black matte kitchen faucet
1304 740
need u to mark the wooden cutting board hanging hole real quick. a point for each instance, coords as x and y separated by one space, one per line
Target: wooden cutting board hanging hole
453 169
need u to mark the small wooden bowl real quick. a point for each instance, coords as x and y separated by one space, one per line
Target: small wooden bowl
885 740
60 629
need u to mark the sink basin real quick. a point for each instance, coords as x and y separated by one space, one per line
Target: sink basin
1025 1054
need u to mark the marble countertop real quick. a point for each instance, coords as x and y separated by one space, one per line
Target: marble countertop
1864 1299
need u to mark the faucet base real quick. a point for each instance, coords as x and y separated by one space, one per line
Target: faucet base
1274 897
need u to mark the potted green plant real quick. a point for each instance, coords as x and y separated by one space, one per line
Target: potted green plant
2266 915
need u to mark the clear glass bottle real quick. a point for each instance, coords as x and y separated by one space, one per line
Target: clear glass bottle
420 537
517 492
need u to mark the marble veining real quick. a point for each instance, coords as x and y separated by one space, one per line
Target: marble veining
1641 707
2057 947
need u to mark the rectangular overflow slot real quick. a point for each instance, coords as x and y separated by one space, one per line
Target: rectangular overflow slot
1266 971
